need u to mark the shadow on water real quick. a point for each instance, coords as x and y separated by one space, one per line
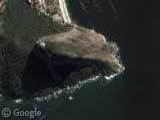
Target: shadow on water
95 100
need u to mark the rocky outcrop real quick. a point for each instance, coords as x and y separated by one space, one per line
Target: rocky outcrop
66 58
82 43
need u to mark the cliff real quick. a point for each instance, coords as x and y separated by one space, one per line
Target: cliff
66 58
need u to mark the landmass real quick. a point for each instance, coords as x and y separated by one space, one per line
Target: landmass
41 48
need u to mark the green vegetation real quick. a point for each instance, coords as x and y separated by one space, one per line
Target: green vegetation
23 26
22 22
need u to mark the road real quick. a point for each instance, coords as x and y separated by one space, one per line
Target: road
64 11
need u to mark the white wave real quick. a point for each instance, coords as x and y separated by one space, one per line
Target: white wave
41 43
69 90
18 101
70 98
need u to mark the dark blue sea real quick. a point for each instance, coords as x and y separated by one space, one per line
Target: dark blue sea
97 99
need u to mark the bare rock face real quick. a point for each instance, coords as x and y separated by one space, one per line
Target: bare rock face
82 43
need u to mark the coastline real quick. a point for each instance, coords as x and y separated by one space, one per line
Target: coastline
67 19
64 11
111 74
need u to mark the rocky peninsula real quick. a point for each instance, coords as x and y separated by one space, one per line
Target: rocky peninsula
40 49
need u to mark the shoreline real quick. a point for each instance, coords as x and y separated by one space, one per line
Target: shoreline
64 11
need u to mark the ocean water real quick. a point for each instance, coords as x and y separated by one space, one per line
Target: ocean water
96 99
